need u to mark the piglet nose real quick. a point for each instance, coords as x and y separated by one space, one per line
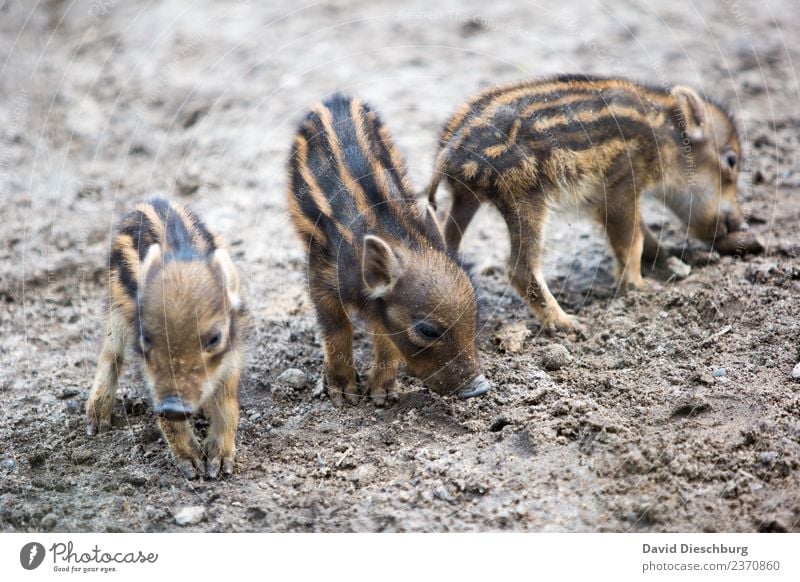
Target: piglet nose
477 387
173 408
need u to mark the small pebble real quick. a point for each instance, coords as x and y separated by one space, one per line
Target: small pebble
319 388
8 464
796 372
768 457
555 357
254 417
293 378
190 515
49 521
720 373
136 479
363 473
442 493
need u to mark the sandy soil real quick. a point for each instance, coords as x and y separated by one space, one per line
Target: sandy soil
677 413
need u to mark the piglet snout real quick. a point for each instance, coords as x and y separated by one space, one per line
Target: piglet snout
477 387
173 408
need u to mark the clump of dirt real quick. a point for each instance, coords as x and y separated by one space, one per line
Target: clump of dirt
677 412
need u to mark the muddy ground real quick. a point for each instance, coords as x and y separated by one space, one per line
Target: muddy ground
676 413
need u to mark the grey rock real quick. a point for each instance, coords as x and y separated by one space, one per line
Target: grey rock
795 375
136 479
556 357
49 521
293 378
441 492
768 457
319 388
720 373
191 515
363 473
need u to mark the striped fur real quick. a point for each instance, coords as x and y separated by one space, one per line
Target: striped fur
594 143
353 206
180 232
174 295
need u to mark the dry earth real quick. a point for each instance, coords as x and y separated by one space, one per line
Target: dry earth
676 413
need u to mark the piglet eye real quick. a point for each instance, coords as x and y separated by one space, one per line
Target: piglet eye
212 341
427 330
730 159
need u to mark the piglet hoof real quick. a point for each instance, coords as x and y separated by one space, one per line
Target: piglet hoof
337 396
227 466
341 394
566 323
96 425
219 465
579 330
351 395
212 468
635 284
383 393
190 468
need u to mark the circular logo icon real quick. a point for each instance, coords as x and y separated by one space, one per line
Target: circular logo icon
31 555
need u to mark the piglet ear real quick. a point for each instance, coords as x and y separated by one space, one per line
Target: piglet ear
153 261
433 226
380 266
225 270
693 110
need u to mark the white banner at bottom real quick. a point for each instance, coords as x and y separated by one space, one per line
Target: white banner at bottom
354 557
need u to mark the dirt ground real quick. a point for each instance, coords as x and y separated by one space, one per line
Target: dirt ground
676 413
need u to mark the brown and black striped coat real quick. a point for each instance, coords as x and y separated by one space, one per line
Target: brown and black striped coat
594 144
174 294
372 252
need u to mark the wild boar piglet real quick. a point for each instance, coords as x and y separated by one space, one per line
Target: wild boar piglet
372 252
594 144
175 295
